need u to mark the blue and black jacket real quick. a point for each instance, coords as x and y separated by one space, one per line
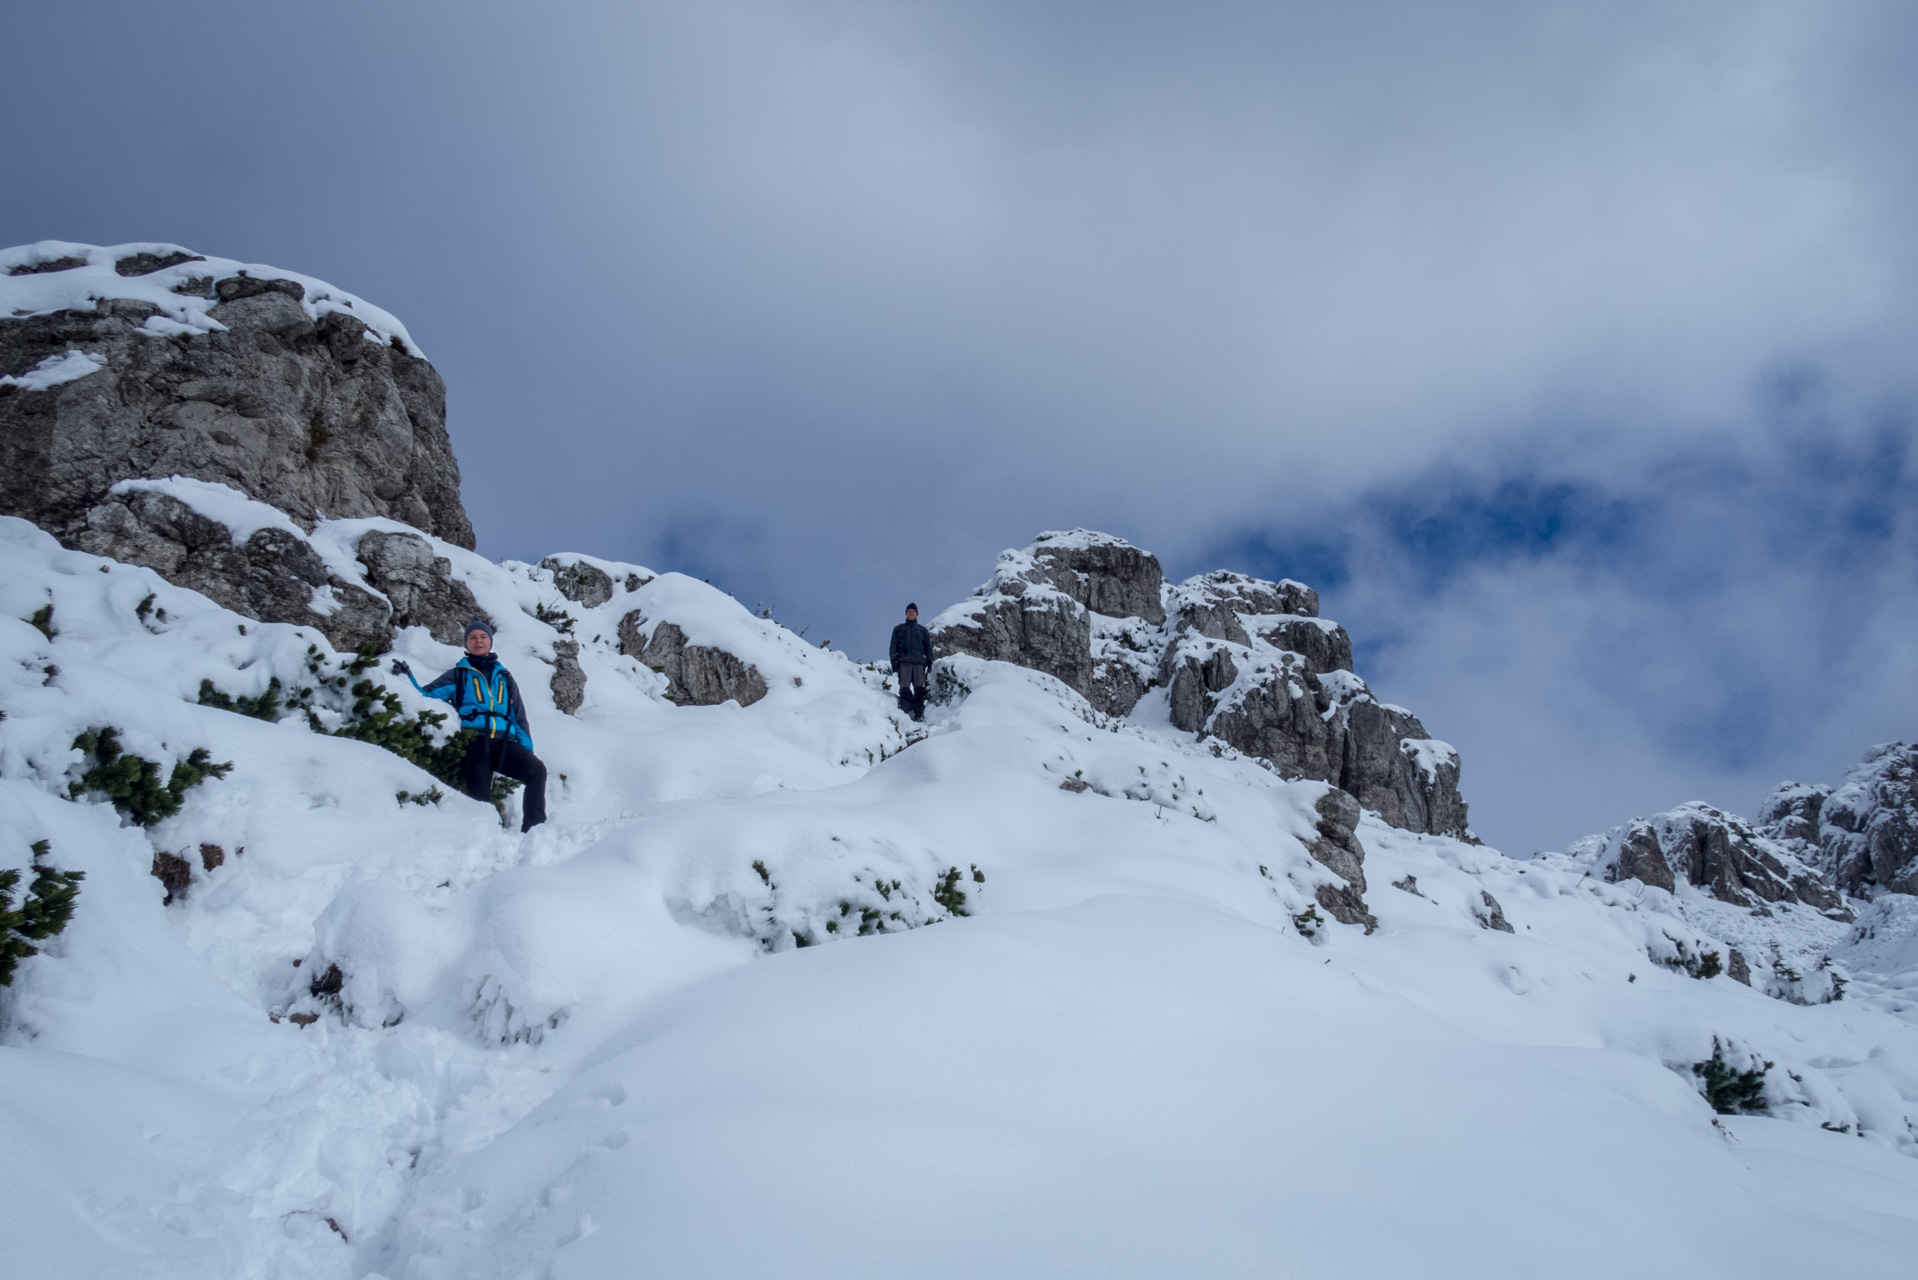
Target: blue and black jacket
486 696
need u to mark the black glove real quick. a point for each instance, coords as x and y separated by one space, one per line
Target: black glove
401 669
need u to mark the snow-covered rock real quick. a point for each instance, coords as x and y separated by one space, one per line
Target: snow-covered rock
1240 660
1868 826
1710 850
145 361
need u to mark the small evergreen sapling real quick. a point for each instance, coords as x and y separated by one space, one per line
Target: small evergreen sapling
44 912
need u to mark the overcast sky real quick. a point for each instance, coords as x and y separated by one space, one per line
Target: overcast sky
1566 347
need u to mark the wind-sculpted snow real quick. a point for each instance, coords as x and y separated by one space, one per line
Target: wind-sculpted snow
1029 989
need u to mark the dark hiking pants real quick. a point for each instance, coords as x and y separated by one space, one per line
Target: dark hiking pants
912 688
488 756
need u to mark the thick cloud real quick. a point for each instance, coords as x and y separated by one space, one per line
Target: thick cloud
832 301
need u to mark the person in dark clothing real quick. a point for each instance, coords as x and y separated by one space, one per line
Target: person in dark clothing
487 699
912 660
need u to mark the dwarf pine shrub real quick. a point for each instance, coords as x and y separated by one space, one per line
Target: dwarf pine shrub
133 783
377 717
44 912
263 706
1730 1091
947 893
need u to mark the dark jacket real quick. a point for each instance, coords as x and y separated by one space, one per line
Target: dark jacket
911 643
486 696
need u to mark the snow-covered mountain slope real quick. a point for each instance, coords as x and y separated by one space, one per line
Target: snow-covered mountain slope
800 986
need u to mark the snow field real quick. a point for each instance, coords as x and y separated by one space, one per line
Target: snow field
650 1038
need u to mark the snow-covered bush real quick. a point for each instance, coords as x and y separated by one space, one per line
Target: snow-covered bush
1733 1087
132 782
43 913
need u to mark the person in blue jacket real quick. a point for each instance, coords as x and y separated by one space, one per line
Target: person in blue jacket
487 699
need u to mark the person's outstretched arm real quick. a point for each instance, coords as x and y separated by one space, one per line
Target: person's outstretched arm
441 687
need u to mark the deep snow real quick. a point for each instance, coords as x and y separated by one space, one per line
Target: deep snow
600 1050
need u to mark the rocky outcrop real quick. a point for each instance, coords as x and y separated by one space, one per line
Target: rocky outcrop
1021 616
1812 843
1280 686
1716 852
1491 915
569 680
1103 574
1243 660
1867 828
273 575
281 387
1338 849
698 675
584 584
419 584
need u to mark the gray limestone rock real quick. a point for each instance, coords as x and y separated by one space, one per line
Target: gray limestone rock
1246 596
1107 575
1338 849
1045 630
1737 967
307 416
1084 607
1717 852
1868 827
419 584
1492 916
274 576
569 681
1640 858
699 675
1723 853
582 583
1791 815
1324 645
1241 659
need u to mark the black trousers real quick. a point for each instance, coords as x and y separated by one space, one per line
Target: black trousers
487 756
912 688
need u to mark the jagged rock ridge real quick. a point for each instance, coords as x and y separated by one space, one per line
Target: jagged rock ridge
1812 843
1713 851
1243 660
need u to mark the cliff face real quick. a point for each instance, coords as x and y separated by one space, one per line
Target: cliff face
150 361
1234 658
